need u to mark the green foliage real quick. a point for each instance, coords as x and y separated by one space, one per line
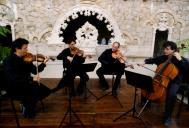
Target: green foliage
4 52
4 31
184 46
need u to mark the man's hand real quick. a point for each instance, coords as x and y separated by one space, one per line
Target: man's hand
36 78
177 55
45 60
141 64
70 58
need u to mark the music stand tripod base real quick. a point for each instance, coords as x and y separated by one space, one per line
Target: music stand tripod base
70 112
135 80
133 111
91 93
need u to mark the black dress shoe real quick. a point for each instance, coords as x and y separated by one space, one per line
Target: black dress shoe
167 121
104 88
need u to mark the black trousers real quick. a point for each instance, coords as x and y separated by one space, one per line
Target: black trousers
116 69
171 99
69 76
29 93
171 95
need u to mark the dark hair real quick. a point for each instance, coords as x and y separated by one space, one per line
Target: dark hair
170 44
117 43
18 43
70 41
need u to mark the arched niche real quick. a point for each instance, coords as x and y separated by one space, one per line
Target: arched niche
94 12
164 20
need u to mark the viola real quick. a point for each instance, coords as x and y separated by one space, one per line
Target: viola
118 55
76 51
29 57
79 52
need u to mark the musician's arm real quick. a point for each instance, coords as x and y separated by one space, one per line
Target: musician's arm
78 59
12 72
183 64
34 68
63 56
156 60
103 58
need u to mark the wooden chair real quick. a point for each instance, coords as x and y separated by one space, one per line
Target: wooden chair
184 92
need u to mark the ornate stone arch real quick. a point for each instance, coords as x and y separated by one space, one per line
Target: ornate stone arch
164 20
7 17
85 10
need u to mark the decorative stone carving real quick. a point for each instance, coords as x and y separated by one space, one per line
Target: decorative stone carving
6 14
164 20
84 10
87 37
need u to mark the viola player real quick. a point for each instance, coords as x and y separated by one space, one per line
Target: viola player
112 62
72 58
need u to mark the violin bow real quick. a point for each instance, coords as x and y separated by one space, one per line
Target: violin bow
37 70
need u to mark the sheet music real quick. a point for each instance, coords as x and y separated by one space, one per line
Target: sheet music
142 70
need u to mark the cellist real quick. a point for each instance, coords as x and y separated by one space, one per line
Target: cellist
170 51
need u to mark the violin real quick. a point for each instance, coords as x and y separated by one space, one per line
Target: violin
77 51
29 57
118 55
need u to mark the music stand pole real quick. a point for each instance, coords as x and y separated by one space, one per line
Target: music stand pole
69 113
143 108
133 109
87 89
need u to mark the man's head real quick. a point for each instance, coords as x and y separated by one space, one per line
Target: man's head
71 44
115 46
20 46
169 47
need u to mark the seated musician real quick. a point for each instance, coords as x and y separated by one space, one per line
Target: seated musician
20 83
170 52
112 62
72 59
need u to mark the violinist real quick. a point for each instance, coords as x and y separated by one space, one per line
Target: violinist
72 59
170 52
20 83
112 62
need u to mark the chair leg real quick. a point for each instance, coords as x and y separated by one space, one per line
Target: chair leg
188 101
180 105
42 105
0 106
14 110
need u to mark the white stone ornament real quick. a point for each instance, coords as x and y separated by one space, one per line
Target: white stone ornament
87 37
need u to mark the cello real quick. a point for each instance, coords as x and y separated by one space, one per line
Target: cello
164 73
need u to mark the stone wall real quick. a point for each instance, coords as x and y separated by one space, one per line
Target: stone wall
134 23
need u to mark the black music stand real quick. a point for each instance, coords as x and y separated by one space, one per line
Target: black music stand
88 67
82 67
138 81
